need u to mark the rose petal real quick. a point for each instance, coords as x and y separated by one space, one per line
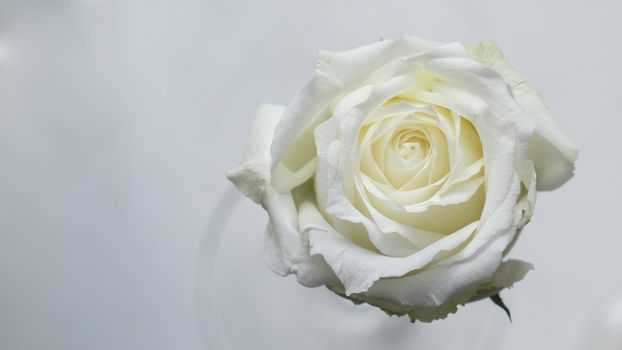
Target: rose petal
505 132
439 285
508 273
358 268
286 249
551 149
336 73
252 175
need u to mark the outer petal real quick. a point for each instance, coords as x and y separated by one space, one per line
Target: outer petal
285 248
358 268
551 149
442 285
508 273
252 176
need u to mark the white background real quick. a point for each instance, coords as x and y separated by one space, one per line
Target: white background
118 120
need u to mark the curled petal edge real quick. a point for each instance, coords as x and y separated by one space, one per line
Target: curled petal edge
253 174
508 273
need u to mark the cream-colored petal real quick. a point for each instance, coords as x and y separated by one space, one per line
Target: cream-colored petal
401 197
331 198
420 238
286 180
457 194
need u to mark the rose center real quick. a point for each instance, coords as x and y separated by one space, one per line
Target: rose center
410 145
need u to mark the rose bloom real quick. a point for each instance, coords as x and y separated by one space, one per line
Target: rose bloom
402 174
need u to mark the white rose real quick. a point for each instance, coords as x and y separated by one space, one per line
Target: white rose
402 173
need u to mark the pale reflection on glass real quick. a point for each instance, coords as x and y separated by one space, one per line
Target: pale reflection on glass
243 305
603 328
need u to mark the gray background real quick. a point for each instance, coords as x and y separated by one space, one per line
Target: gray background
118 120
